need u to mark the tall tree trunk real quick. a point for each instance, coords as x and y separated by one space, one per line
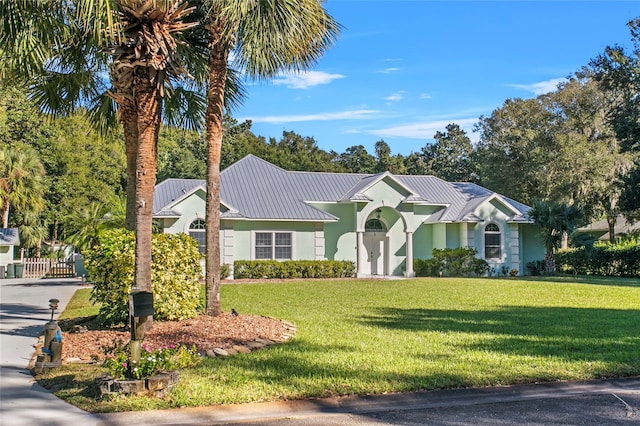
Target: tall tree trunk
148 103
129 120
217 76
549 263
611 221
5 213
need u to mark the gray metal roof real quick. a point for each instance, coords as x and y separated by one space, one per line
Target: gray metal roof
259 190
9 237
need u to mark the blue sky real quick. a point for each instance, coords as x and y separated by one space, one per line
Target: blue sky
402 70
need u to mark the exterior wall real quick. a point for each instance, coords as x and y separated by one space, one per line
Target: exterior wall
190 208
6 255
303 243
340 237
453 235
496 213
423 242
532 245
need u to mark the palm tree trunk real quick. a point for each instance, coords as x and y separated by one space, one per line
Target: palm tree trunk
5 213
549 263
129 120
148 102
215 103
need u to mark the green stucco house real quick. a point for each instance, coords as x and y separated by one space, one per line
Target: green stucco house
382 222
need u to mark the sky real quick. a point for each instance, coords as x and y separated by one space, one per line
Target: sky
402 70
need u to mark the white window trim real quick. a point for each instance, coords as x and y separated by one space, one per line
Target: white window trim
273 232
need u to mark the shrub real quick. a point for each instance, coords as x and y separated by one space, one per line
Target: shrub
152 361
175 272
458 262
266 269
225 270
536 267
619 260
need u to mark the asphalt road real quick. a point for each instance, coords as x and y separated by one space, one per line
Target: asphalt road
24 311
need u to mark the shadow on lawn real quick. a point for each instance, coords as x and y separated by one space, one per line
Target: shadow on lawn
571 333
298 366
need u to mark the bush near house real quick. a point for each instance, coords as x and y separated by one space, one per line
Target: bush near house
175 272
604 259
458 262
259 269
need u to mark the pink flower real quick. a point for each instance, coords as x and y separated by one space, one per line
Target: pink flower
124 364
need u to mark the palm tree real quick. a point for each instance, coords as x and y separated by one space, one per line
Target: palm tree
266 37
21 182
554 221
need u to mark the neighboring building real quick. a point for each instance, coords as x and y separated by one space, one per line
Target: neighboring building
9 238
381 222
600 230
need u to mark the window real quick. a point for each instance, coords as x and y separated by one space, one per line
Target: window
374 225
492 245
197 232
274 245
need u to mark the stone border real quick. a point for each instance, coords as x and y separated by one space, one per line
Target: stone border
255 345
157 385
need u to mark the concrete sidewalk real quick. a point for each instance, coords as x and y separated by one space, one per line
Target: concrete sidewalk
24 311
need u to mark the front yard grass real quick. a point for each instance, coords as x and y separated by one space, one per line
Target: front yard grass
376 336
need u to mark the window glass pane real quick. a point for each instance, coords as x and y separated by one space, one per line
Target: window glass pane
199 236
492 227
263 252
492 240
283 252
492 252
263 239
283 239
197 224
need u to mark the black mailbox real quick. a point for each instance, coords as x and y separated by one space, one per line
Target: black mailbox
142 304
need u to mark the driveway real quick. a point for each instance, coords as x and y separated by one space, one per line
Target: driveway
24 310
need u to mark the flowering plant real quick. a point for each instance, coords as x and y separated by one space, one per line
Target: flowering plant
152 361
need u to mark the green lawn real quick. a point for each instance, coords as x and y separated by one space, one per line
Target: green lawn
375 336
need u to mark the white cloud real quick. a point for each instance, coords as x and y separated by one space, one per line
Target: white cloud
360 114
305 80
425 96
395 97
389 70
540 88
424 130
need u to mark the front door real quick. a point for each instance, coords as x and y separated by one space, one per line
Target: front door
374 243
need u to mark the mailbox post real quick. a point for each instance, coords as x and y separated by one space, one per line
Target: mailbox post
140 310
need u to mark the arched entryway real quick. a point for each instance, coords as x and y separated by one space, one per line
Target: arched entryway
375 243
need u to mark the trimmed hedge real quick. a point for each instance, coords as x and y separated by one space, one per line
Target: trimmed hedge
458 262
261 269
621 260
175 272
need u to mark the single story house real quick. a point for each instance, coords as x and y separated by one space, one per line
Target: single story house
381 222
9 239
599 230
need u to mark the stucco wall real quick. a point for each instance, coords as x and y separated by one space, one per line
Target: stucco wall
303 238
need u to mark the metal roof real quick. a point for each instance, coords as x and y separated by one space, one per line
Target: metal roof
9 237
259 190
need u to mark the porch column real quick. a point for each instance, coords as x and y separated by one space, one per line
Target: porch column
409 258
360 252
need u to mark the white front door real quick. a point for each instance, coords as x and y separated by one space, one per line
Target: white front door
374 243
